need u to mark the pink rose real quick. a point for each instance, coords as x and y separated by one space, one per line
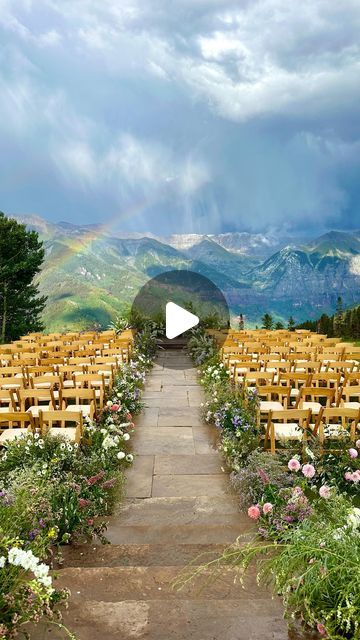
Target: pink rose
357 444
325 492
115 407
128 417
353 453
294 465
83 503
321 629
254 512
268 507
308 470
132 425
90 522
348 476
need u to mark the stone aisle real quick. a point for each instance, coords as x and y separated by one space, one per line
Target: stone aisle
178 506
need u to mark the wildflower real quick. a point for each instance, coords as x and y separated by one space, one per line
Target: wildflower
294 465
357 444
126 436
2 562
83 503
90 522
52 533
254 512
308 470
267 508
120 455
321 629
109 484
348 476
129 457
353 453
325 492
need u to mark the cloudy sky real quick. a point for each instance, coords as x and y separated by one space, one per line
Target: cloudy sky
182 115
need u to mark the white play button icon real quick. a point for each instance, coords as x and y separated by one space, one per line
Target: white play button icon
178 320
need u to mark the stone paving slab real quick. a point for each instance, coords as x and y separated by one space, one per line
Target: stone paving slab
172 440
189 485
139 477
178 465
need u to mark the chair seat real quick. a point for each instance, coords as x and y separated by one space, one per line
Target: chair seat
34 410
314 406
84 408
351 405
289 431
8 435
5 409
68 384
294 393
270 405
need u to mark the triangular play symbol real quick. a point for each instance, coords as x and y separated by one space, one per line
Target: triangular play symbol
178 320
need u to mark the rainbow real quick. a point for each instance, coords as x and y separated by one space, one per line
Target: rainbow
83 243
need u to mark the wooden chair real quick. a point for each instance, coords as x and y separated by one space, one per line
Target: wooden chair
15 424
295 380
336 422
329 379
13 382
70 424
94 381
32 400
258 378
309 397
346 397
272 398
83 400
290 424
7 401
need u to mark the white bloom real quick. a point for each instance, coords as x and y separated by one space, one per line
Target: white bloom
41 441
46 581
129 457
41 570
120 455
36 436
2 562
126 436
103 431
124 425
69 447
109 403
63 445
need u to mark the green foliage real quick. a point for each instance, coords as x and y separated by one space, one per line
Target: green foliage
21 256
267 321
344 324
291 324
201 346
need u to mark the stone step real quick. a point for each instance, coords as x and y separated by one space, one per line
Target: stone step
141 555
173 534
180 510
172 619
112 584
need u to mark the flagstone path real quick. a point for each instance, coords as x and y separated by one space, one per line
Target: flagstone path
178 506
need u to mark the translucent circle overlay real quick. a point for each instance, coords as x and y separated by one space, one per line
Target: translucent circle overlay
189 290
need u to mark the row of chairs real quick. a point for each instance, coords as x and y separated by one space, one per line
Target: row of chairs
301 378
37 396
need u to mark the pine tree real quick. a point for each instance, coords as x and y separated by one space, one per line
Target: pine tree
267 321
291 324
21 256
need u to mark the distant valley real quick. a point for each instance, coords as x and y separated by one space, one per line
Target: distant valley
90 275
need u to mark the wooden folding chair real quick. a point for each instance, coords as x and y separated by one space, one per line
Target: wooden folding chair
70 424
94 381
7 403
15 424
290 424
336 422
83 400
309 398
347 395
13 382
32 400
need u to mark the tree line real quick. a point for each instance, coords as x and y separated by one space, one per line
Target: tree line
344 323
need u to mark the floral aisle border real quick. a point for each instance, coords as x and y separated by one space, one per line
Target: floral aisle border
305 505
53 492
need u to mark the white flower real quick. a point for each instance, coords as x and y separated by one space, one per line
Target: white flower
129 457
354 518
103 431
46 581
36 436
41 570
126 436
120 455
69 447
124 425
109 403
2 562
76 445
63 445
41 441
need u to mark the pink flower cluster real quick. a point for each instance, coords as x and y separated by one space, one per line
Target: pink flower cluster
353 476
254 512
308 469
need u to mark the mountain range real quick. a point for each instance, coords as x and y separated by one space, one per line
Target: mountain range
91 274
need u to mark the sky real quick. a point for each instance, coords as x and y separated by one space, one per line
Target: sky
182 116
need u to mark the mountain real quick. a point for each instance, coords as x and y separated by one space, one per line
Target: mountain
90 275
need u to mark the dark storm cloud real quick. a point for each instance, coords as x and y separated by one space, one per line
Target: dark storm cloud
200 115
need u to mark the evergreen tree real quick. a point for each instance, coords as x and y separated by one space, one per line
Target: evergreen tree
267 321
279 325
21 256
291 324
